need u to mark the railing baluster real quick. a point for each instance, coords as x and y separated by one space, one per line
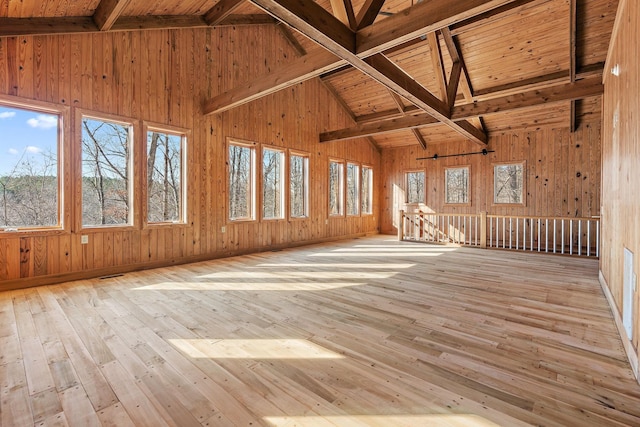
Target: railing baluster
546 235
524 234
531 242
571 237
554 236
504 235
598 238
510 231
588 237
579 237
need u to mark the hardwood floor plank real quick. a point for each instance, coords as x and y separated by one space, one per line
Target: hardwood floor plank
366 332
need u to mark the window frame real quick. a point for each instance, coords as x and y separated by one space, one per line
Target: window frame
370 195
283 191
185 136
406 186
341 188
252 191
357 189
446 186
305 185
63 164
523 165
134 184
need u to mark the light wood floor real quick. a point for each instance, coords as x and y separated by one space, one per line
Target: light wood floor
365 332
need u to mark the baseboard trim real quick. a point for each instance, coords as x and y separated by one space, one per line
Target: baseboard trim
53 279
632 355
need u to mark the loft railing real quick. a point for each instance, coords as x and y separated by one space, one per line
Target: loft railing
564 235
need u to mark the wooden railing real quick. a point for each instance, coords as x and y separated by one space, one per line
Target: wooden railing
564 235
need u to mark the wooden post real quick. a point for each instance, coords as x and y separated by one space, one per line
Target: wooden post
483 230
401 225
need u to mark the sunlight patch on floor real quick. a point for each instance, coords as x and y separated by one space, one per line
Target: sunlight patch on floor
408 249
277 348
336 265
246 286
316 275
385 254
435 420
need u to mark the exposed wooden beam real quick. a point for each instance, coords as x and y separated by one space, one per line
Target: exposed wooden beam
221 10
320 26
313 21
464 81
127 23
537 83
379 128
438 66
108 12
291 38
251 19
304 68
368 13
343 10
559 93
452 85
388 74
573 120
10 27
563 92
419 138
418 20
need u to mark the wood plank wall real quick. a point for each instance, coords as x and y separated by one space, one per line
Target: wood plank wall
621 163
562 173
164 77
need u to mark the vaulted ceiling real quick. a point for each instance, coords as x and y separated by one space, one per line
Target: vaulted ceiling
408 72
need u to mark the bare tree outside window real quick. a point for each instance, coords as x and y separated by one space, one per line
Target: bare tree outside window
240 182
106 172
415 187
272 184
367 190
29 181
164 177
509 183
298 188
456 181
353 189
336 188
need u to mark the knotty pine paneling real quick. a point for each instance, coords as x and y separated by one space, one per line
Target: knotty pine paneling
562 173
164 77
621 161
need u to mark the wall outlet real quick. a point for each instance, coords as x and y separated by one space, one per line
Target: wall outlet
223 229
84 239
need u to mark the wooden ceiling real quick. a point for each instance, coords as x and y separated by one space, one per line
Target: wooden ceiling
409 72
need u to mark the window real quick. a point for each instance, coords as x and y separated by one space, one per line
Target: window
165 176
508 183
29 167
272 184
367 190
336 188
415 187
298 186
456 185
353 189
241 181
107 172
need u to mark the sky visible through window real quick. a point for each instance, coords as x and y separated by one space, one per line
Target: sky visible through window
25 134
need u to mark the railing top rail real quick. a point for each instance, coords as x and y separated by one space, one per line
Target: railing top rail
441 214
562 218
